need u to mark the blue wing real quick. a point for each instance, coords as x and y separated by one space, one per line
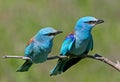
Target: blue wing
63 64
29 48
28 52
67 44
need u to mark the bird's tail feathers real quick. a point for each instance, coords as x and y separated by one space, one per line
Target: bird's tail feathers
58 69
63 65
25 66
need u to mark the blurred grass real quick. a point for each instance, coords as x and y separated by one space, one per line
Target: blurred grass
21 19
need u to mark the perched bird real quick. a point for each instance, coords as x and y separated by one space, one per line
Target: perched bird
39 47
76 44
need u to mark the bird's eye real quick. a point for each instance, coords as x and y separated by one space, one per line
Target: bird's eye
49 34
91 22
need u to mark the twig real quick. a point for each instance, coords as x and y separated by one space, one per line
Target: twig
96 57
17 57
105 60
27 58
56 57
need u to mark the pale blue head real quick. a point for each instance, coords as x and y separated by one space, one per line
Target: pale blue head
47 33
87 22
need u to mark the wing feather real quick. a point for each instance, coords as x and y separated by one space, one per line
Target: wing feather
67 44
29 47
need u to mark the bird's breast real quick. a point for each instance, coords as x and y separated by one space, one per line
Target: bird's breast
80 46
40 53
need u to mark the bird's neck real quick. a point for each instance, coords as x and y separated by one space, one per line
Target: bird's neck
83 27
82 33
43 39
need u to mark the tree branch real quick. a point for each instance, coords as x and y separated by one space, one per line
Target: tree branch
27 58
17 57
96 57
106 60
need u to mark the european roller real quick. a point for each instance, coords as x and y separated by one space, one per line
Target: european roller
39 47
76 44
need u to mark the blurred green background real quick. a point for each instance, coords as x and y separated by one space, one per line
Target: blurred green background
21 19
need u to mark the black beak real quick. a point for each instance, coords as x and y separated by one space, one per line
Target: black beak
100 21
58 32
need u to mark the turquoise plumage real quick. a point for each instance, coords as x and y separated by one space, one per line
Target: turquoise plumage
39 47
76 44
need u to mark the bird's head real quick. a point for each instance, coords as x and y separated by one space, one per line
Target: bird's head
48 32
88 22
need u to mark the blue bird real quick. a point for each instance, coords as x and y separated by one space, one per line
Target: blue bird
76 44
39 47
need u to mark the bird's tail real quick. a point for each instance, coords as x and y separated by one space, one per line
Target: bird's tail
63 64
58 67
25 66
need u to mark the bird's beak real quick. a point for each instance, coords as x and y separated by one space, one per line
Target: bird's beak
58 32
99 21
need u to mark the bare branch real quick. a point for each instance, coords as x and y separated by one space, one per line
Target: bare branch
27 58
96 57
56 57
105 60
17 57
